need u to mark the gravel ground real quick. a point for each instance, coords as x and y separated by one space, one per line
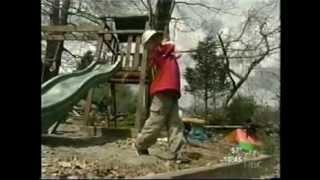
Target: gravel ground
111 157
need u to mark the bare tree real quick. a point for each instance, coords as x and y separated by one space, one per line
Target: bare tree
58 16
254 41
257 40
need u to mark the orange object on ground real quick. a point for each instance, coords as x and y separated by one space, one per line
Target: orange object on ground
241 136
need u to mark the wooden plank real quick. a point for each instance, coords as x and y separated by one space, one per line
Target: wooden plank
132 54
249 168
55 37
42 70
69 37
68 28
110 47
96 29
53 128
129 74
137 52
130 31
129 47
125 81
131 69
108 37
115 47
75 113
108 113
122 56
194 120
114 103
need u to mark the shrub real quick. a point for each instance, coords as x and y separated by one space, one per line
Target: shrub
268 119
241 109
218 117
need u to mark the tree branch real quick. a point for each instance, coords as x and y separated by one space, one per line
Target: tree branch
234 73
245 26
271 51
83 16
70 53
44 12
136 5
50 4
150 6
227 61
144 4
86 15
197 4
150 12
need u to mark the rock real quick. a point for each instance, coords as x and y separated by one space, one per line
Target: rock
64 164
108 177
150 174
73 177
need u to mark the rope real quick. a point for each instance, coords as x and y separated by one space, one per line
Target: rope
53 66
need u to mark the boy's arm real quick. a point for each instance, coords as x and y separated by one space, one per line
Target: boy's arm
170 50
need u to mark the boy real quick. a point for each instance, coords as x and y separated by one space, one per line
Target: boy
165 92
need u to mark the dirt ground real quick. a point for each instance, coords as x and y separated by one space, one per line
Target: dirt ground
71 154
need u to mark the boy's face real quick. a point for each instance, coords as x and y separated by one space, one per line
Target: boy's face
154 42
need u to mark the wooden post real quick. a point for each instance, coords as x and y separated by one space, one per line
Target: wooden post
116 49
130 38
137 53
89 96
113 42
107 106
122 54
114 104
43 69
87 108
141 106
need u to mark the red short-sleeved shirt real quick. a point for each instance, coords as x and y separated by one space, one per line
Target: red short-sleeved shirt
167 78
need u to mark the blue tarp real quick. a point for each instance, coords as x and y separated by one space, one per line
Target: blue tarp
197 135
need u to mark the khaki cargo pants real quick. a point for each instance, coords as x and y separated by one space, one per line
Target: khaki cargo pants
164 112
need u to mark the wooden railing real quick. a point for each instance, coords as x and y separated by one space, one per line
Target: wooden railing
131 56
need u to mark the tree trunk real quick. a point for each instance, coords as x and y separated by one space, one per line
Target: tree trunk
55 48
206 89
195 104
214 101
233 91
206 103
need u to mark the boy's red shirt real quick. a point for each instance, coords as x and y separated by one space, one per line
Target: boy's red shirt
167 78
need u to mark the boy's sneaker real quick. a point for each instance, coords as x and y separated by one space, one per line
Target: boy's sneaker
182 158
140 152
179 158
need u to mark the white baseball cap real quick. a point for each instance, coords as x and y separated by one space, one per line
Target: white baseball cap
146 36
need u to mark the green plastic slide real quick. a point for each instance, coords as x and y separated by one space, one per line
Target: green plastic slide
61 93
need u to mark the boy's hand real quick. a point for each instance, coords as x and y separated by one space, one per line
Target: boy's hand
177 56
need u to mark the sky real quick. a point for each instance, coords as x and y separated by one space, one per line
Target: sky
189 40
